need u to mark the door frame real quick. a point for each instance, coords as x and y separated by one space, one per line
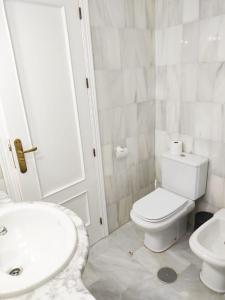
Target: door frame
6 158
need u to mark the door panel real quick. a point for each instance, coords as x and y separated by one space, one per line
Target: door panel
81 206
46 80
49 107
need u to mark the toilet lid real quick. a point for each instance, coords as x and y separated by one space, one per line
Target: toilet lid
158 205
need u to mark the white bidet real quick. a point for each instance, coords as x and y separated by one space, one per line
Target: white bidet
208 243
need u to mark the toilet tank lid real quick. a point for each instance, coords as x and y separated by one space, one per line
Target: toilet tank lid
187 158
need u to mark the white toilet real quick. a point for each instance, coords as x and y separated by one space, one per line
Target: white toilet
208 243
163 213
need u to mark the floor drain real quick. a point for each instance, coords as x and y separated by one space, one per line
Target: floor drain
15 271
167 275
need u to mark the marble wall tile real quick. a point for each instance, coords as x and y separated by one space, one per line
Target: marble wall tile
197 117
123 41
189 82
112 216
208 121
161 14
208 8
106 48
123 188
114 13
129 13
217 159
151 79
130 85
131 121
107 156
134 181
190 42
214 151
146 145
150 11
162 139
124 208
118 125
173 83
161 82
221 6
174 12
173 44
132 146
160 48
215 191
208 73
221 39
219 87
128 41
144 48
187 117
110 189
172 116
146 173
146 117
202 147
190 10
160 115
140 14
142 85
208 39
105 80
97 13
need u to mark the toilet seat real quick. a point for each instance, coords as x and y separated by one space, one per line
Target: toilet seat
159 206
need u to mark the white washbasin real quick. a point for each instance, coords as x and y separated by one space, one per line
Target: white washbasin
40 241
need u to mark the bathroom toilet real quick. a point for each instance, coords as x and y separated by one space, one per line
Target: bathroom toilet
208 243
162 214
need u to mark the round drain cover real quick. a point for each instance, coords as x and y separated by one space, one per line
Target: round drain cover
167 275
15 271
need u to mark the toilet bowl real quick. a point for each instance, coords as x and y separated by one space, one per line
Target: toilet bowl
162 215
208 243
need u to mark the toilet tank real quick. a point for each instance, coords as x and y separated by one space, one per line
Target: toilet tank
185 174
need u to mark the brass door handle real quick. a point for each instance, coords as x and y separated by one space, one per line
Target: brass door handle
30 150
20 154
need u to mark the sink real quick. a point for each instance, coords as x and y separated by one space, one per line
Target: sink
37 241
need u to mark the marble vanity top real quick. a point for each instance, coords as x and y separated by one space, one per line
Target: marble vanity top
66 285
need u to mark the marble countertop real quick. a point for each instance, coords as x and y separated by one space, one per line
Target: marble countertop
67 284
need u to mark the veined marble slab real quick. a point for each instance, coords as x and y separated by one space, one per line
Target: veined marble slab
66 285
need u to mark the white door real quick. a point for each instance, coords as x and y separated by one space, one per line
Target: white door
45 101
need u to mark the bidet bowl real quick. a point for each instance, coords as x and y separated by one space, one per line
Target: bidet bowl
36 243
208 243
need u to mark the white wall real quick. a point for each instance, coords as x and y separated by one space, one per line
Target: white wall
190 84
123 45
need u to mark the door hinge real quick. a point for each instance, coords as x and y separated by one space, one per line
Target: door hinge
94 152
80 13
87 83
101 221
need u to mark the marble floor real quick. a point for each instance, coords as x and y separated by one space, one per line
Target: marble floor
121 268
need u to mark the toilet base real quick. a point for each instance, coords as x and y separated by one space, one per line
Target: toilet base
213 278
160 241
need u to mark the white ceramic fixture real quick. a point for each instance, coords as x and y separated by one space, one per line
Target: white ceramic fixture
163 213
208 243
36 242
